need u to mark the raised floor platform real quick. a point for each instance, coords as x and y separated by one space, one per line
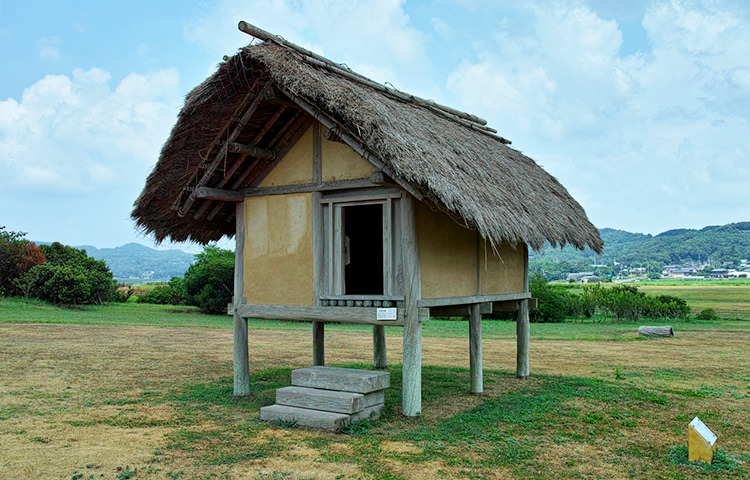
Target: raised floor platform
329 398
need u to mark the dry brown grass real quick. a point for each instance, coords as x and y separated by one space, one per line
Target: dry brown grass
89 399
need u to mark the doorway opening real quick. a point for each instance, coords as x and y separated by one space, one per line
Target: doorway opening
363 249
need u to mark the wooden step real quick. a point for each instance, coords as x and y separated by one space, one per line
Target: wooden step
328 400
316 418
342 379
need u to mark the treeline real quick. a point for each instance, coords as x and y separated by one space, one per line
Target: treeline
617 303
55 273
717 244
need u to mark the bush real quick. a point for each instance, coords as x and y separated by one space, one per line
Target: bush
707 314
209 282
173 293
554 305
69 277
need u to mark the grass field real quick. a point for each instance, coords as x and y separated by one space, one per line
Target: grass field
144 392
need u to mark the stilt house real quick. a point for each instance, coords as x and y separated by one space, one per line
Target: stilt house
354 202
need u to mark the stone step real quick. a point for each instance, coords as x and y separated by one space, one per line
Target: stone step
342 379
328 400
316 418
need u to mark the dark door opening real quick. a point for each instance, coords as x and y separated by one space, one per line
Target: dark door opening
363 232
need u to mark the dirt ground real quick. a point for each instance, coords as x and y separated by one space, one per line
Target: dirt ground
56 381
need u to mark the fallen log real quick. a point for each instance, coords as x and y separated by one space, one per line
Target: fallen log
656 331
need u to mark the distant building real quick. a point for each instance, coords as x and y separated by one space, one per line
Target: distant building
579 276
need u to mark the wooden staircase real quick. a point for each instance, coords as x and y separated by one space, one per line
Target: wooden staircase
329 398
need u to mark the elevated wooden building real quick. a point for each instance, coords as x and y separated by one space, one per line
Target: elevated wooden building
354 202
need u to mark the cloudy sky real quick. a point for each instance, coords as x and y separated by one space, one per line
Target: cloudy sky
640 108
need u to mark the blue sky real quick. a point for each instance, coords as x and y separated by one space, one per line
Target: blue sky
640 108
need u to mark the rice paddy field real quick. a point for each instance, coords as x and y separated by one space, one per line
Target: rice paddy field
145 392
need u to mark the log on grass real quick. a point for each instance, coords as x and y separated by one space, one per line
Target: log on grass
656 331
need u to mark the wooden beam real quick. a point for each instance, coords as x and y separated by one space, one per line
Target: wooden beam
241 361
206 193
460 310
411 402
359 315
319 346
355 183
475 350
251 151
437 302
379 359
522 340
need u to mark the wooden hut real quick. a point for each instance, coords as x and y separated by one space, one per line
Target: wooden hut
354 202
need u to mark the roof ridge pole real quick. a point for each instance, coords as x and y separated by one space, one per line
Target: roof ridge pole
261 34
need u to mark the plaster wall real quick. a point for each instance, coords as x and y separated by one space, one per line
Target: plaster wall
447 255
295 167
501 272
278 250
340 162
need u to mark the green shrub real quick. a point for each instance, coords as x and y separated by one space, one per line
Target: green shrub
554 303
172 293
209 282
17 256
707 314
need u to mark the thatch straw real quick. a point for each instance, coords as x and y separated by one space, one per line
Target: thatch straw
471 175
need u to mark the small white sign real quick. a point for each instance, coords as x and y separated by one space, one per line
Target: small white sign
386 314
703 431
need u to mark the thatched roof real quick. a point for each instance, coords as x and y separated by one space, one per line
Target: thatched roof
447 160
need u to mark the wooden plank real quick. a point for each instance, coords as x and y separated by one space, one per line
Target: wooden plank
319 254
437 302
411 402
460 310
522 340
207 193
475 350
318 399
374 195
251 151
359 315
319 349
341 379
379 358
330 421
354 183
317 166
240 360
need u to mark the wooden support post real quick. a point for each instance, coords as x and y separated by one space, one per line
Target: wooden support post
379 359
241 363
319 349
411 402
522 340
475 350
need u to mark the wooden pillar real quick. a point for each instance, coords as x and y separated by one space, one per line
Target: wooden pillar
241 363
319 349
522 340
522 326
378 347
411 400
475 350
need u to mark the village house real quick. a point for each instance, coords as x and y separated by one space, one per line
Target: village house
350 201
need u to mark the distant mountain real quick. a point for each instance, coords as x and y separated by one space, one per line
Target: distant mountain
136 262
714 244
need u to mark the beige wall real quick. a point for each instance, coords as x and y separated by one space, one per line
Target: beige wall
295 167
447 255
278 250
340 162
501 272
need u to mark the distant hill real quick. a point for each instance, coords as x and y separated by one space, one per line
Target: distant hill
713 244
134 262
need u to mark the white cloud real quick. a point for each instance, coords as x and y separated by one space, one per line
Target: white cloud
375 39
659 130
76 133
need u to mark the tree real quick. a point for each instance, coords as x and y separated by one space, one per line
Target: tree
209 282
17 256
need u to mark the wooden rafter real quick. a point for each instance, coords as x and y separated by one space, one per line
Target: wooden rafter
221 154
